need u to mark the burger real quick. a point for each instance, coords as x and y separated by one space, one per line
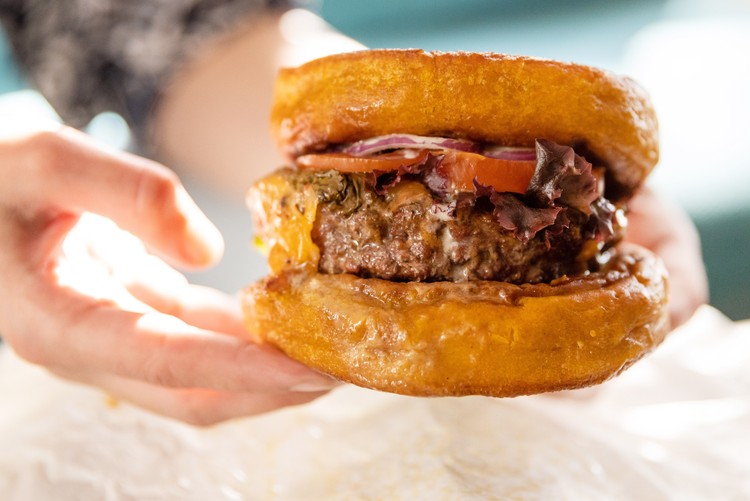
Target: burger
453 223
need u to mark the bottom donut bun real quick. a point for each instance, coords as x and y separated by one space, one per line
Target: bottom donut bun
472 338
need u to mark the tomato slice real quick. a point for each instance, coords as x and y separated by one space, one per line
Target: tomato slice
460 168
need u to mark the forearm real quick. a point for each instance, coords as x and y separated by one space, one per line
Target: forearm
212 121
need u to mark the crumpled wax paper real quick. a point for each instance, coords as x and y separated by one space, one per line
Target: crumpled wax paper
675 426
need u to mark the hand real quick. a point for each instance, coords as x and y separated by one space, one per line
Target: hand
85 299
666 230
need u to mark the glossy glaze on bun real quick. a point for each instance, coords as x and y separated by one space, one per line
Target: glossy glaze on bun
496 98
485 338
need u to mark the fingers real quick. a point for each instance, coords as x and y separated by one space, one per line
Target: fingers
202 407
166 290
153 282
96 336
666 230
688 284
194 406
67 171
196 305
98 308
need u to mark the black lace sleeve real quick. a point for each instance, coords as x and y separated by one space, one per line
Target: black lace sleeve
90 56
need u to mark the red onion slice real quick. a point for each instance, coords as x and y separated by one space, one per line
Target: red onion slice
395 141
510 153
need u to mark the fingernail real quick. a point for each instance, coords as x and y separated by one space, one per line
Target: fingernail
313 387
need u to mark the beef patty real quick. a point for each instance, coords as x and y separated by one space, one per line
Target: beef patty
406 234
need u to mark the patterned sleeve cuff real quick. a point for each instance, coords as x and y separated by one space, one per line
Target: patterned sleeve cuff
111 55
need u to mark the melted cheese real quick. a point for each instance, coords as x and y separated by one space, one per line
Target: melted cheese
284 220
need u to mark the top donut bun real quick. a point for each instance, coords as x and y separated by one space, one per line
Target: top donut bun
494 98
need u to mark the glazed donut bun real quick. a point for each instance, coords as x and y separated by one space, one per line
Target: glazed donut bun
452 223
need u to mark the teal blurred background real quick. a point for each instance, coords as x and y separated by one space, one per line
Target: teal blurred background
693 56
10 78
589 31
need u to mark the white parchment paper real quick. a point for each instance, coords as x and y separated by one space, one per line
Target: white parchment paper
675 426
